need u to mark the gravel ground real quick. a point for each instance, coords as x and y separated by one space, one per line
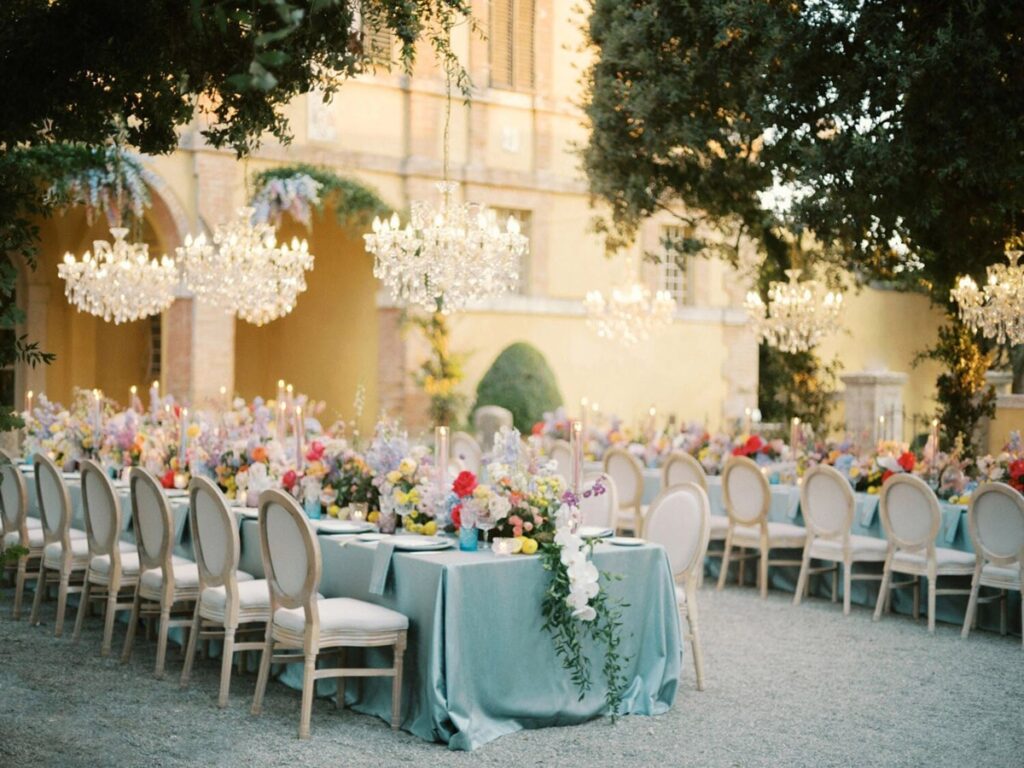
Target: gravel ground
786 686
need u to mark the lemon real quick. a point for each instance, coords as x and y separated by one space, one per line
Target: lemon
529 546
429 529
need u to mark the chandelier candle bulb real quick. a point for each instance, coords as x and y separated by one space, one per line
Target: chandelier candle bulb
576 450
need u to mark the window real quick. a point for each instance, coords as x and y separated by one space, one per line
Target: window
671 277
377 45
155 333
524 218
511 43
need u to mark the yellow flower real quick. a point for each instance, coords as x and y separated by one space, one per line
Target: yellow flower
873 490
413 496
429 528
481 491
407 466
401 497
373 517
394 476
54 428
529 546
193 430
854 471
333 510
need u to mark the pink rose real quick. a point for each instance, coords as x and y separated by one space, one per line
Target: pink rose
527 526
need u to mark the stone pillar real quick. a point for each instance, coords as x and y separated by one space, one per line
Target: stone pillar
1007 405
869 395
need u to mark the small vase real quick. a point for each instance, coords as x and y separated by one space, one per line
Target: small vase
388 521
313 508
468 539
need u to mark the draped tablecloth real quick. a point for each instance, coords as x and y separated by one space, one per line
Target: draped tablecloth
479 663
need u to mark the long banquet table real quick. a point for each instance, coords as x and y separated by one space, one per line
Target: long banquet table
480 664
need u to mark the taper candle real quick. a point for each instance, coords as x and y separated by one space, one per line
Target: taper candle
576 450
441 464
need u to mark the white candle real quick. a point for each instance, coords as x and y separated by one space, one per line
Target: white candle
290 393
154 399
584 414
133 398
881 429
282 423
794 436
28 402
299 430
280 390
441 463
652 421
224 398
576 450
183 438
746 421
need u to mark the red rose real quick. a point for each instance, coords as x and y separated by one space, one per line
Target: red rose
887 474
167 481
457 515
464 484
316 451
1017 469
907 461
538 428
289 479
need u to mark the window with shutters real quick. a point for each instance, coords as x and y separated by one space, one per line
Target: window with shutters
511 43
671 270
378 45
524 218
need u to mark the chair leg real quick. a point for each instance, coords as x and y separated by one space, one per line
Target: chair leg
742 572
916 587
80 617
883 589
264 672
226 663
190 651
396 683
109 614
804 577
725 563
308 686
161 641
37 600
62 604
19 587
835 583
133 624
972 602
693 621
762 571
847 586
933 582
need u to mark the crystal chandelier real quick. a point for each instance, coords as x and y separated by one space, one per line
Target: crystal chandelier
997 310
797 316
118 281
630 314
245 271
449 256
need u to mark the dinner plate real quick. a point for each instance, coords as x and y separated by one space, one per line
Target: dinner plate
372 536
594 532
342 526
625 541
249 513
175 493
71 475
413 543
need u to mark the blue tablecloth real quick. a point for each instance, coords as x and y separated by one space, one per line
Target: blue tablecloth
479 663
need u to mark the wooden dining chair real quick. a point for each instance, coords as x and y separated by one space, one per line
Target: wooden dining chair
747 502
561 454
996 520
628 473
168 585
681 467
18 528
113 564
679 520
466 453
599 501
65 552
310 627
911 519
828 502
227 607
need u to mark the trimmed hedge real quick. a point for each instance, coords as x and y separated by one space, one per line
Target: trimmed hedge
521 380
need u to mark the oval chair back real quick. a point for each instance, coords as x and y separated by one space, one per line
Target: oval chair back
54 501
827 502
466 453
679 519
561 454
151 520
214 537
745 491
13 498
681 468
625 469
102 510
291 558
996 520
910 512
487 420
599 501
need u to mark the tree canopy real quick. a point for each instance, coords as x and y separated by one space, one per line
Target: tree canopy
892 130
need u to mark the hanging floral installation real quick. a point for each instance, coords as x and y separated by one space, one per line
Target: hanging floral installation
301 189
107 180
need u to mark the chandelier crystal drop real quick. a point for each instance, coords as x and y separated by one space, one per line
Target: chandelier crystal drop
245 271
448 256
631 314
997 309
118 281
798 314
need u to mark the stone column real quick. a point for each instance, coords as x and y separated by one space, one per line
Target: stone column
869 395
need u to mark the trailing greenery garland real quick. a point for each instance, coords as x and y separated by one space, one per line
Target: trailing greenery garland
288 188
568 632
